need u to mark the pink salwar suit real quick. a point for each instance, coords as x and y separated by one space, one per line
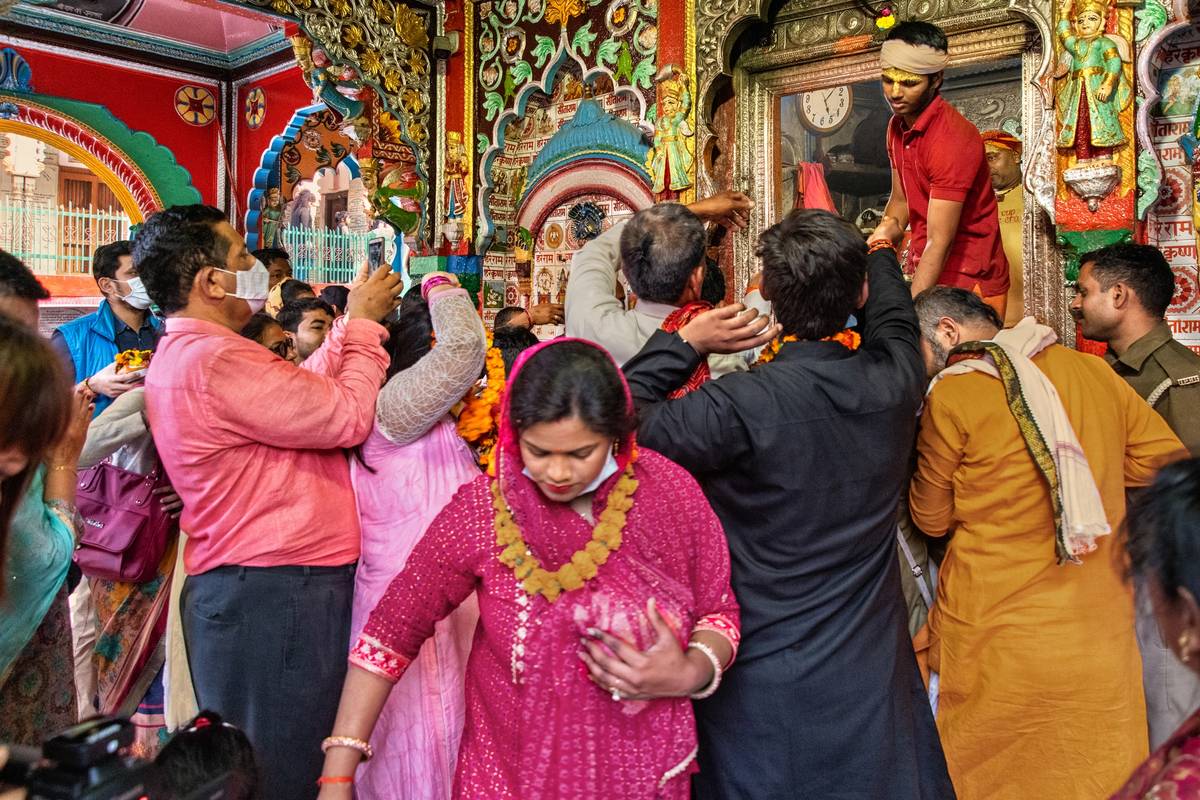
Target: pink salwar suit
410 467
537 728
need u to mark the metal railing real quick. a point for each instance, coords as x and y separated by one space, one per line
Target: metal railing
58 240
324 256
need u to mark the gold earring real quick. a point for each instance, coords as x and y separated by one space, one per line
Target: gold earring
1185 646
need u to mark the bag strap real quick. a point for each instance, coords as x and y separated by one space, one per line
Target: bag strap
917 572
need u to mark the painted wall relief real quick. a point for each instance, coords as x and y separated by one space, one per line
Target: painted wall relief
1094 104
1171 223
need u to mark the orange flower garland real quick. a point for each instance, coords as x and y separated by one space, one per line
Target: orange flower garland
606 538
847 338
477 422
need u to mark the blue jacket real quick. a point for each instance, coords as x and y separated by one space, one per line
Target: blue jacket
91 343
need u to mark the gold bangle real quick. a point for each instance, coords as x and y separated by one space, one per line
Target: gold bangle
63 467
351 742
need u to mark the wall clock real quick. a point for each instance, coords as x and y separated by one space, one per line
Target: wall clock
823 111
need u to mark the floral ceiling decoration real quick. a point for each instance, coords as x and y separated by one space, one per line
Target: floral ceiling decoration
370 61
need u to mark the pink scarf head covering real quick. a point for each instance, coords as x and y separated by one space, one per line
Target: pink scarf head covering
508 448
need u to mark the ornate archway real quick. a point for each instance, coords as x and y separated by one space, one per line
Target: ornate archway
142 174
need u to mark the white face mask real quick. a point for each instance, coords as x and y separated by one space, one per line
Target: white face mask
253 285
138 297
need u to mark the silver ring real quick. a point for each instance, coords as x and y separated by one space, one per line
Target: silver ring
616 696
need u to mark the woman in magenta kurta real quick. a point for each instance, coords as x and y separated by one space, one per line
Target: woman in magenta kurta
578 694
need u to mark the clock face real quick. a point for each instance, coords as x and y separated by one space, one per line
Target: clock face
826 110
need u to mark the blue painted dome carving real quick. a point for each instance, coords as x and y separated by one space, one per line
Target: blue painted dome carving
592 133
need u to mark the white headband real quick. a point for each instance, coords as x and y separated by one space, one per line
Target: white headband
920 59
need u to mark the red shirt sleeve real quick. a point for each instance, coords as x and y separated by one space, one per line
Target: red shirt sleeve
952 161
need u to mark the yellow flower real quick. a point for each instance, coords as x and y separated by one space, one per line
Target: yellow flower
584 564
352 35
596 551
340 8
569 577
562 11
524 569
410 28
371 62
391 80
382 10
417 63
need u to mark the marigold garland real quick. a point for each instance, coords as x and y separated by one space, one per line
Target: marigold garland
477 422
583 565
847 338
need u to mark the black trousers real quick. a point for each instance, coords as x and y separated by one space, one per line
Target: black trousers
267 648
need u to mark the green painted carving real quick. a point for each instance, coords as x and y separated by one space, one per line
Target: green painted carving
607 52
1076 243
1149 181
492 103
481 143
172 182
624 71
545 48
1151 17
581 42
643 76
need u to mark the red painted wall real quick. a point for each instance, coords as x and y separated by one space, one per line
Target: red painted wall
286 92
142 100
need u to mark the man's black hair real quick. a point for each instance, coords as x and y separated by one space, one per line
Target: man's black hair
172 246
1141 267
268 254
292 314
107 258
920 33
17 280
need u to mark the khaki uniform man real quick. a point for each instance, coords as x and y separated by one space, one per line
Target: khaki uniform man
1122 296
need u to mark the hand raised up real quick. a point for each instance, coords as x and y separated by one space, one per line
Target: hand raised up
728 329
376 297
731 209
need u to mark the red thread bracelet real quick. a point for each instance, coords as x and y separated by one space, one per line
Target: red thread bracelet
324 779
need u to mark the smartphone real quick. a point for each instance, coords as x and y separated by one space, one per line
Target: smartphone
375 254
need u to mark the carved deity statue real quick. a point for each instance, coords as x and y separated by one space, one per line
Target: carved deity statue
456 176
270 219
1094 89
671 159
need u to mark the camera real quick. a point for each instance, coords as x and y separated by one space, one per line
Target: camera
85 762
90 762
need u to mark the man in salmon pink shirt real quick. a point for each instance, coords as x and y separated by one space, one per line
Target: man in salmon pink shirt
941 183
255 447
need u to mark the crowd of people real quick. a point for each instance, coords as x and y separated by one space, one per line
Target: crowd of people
664 556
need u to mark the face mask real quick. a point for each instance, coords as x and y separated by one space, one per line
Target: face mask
607 471
253 285
138 297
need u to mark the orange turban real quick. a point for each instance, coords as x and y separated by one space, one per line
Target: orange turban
1002 139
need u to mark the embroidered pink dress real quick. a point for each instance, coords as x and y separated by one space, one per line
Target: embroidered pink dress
537 728
1172 772
417 461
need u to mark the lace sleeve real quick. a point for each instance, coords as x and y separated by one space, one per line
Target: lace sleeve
413 400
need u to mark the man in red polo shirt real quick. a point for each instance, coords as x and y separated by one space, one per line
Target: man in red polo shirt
941 184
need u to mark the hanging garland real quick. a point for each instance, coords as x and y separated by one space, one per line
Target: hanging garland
477 422
847 338
885 16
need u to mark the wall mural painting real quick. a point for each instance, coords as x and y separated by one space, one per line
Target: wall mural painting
537 270
535 60
1171 223
371 63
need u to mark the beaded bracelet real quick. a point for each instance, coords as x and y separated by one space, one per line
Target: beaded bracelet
430 282
350 742
882 244
708 690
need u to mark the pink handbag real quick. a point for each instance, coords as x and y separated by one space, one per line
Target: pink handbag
125 529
